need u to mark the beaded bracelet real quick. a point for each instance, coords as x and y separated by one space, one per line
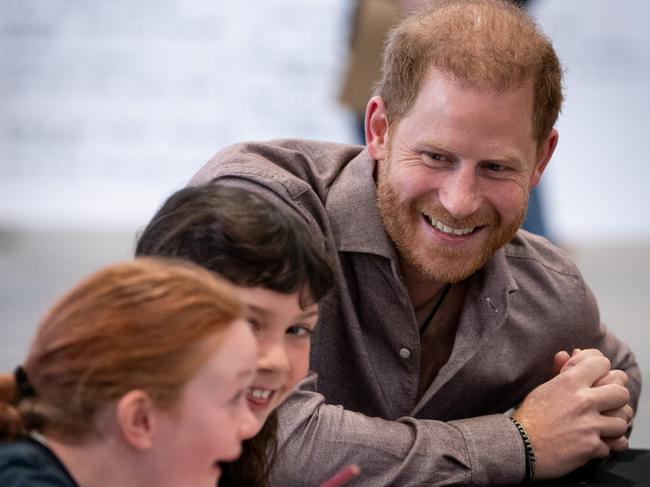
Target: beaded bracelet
530 454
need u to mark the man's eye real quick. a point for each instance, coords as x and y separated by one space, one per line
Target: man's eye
435 156
494 167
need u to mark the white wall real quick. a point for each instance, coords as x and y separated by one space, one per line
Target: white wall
106 107
596 187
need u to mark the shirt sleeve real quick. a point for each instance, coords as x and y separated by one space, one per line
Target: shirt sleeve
317 439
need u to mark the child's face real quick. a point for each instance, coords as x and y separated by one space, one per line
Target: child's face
283 331
213 416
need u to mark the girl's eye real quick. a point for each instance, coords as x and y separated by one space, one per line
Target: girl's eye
254 323
299 331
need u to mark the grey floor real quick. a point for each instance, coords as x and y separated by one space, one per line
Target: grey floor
35 268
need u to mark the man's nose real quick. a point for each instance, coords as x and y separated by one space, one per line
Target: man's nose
459 192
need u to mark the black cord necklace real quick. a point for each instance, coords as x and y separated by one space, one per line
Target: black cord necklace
435 309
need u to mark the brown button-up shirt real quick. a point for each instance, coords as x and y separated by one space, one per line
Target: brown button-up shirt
526 304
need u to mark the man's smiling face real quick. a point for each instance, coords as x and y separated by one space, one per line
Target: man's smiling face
453 175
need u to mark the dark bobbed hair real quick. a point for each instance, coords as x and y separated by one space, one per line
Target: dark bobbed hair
252 242
241 236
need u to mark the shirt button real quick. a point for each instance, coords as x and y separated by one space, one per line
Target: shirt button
404 352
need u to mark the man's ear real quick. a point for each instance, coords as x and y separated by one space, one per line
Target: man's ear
376 128
136 419
543 156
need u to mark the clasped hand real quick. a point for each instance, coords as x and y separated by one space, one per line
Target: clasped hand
580 414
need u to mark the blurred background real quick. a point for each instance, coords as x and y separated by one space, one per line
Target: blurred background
108 107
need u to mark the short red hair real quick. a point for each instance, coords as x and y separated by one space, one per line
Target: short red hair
483 43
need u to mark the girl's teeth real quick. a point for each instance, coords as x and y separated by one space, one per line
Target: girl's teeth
259 393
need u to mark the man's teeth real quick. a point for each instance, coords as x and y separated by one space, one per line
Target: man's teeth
449 230
259 393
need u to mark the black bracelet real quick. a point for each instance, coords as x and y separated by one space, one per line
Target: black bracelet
530 454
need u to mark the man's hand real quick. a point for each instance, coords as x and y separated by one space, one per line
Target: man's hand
576 416
563 361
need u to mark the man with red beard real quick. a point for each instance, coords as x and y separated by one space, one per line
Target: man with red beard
456 349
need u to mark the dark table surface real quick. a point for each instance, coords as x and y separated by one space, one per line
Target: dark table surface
628 469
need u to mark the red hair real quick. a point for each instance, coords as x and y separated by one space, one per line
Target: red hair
482 43
141 324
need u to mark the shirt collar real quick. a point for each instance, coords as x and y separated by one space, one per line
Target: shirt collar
352 207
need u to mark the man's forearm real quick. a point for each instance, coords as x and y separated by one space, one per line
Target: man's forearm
317 439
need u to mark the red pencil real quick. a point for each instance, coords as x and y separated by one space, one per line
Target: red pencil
342 477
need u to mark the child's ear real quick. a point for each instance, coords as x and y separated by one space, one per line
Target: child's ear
135 417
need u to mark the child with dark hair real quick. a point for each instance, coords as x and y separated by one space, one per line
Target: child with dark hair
280 273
